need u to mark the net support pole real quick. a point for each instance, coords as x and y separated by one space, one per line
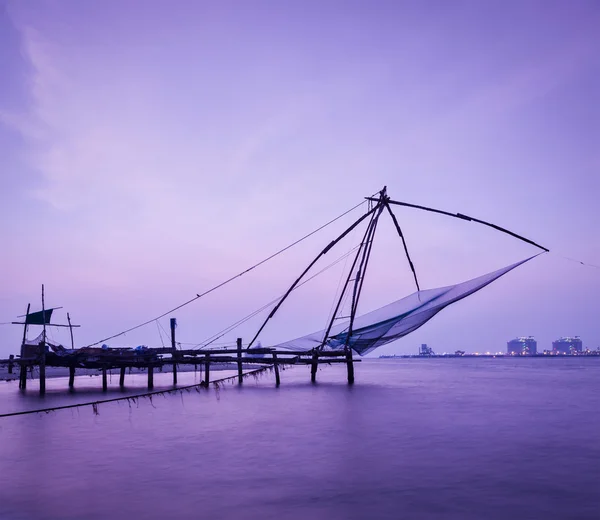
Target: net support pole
71 376
173 323
239 361
104 379
323 252
122 377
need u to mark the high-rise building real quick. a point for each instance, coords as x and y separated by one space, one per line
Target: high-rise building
522 346
567 345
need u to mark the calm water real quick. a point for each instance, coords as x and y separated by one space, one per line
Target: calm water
448 439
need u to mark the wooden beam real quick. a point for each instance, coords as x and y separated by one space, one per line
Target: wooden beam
122 377
313 368
207 368
71 376
104 380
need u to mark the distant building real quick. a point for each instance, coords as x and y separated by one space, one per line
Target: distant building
524 346
567 345
426 351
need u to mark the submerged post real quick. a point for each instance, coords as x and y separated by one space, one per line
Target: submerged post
313 368
207 368
43 349
71 376
104 380
276 366
239 360
23 377
174 349
122 377
150 376
11 361
350 365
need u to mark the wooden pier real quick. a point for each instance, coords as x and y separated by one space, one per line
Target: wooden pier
152 359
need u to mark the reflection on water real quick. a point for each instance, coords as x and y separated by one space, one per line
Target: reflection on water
448 439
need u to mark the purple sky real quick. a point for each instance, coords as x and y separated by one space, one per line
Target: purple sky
149 150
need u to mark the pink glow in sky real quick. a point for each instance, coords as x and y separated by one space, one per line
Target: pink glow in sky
149 150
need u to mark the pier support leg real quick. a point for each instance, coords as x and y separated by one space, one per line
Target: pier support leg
43 369
150 377
71 376
207 368
276 366
104 380
122 377
350 365
239 360
174 350
11 361
23 377
313 368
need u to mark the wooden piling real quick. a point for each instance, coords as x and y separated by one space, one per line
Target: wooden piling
104 380
350 366
239 360
174 349
23 371
313 368
150 376
71 376
43 349
11 361
23 377
276 366
207 368
122 377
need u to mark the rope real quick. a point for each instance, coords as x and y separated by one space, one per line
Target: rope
198 296
95 404
221 333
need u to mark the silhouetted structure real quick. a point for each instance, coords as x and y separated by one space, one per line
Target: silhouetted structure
567 345
522 346
425 350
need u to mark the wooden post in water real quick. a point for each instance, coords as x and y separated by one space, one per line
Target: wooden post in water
239 360
313 368
23 377
350 365
23 369
11 361
150 376
174 350
207 368
122 377
276 365
43 349
71 376
104 380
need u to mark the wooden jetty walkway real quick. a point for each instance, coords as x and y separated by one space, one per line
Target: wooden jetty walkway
151 359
